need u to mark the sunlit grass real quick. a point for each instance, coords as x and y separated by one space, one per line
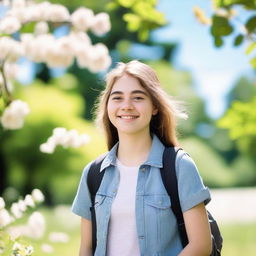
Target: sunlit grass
239 239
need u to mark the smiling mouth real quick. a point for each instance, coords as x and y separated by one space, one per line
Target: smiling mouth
128 117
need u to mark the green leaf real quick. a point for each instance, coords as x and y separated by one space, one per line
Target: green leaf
238 40
251 4
143 34
220 26
218 41
133 21
111 6
253 62
251 24
126 3
250 48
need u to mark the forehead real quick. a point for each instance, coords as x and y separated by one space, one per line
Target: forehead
127 83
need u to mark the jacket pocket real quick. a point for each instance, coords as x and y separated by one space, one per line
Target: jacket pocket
158 201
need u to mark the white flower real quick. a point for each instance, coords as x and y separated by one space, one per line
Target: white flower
36 224
29 201
10 49
13 116
60 54
101 24
37 195
47 248
43 9
36 48
29 250
82 18
71 139
5 218
16 211
58 134
41 28
99 58
22 205
58 237
18 4
84 139
58 13
47 148
2 203
9 25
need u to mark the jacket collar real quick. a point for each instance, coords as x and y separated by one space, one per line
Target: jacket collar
154 157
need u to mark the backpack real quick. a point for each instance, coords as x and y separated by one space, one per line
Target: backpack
168 174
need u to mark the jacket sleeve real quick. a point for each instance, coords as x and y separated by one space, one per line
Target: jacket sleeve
82 202
192 190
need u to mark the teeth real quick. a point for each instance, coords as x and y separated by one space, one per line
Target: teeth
128 117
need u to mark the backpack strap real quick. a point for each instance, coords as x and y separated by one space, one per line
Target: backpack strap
94 179
169 178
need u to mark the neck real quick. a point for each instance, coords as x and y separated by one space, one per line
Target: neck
133 149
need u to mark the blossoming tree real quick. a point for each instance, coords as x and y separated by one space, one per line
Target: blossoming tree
42 46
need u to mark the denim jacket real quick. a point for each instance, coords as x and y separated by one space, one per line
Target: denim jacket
156 224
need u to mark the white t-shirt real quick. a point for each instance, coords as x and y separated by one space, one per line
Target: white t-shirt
122 233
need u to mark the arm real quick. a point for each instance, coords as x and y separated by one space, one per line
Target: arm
86 238
198 231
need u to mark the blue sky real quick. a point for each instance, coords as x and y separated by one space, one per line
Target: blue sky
214 70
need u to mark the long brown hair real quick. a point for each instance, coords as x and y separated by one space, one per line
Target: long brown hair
163 124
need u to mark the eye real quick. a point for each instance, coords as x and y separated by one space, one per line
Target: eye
138 98
116 98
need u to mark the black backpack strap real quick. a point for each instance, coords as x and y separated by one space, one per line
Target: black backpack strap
168 173
94 179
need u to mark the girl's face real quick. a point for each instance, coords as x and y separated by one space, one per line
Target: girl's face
129 107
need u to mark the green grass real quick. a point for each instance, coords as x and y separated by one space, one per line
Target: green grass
59 220
239 239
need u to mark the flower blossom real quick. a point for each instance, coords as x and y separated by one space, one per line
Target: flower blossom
13 116
10 49
82 18
20 249
5 218
58 13
9 25
64 138
101 24
58 237
16 211
47 248
36 225
99 58
2 203
29 201
41 28
37 195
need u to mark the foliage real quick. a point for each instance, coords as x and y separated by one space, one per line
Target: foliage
52 108
213 169
240 120
239 238
227 21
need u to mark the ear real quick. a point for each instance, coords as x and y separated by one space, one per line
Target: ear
155 111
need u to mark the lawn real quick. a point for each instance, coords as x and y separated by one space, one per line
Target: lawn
239 239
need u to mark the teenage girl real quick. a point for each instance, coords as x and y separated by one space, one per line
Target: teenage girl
132 206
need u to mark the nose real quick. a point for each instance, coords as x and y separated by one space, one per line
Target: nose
127 105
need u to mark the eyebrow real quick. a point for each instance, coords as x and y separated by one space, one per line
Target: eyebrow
133 92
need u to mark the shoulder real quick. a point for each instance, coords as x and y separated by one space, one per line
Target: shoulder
184 161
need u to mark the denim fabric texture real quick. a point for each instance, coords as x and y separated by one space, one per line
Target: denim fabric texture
156 224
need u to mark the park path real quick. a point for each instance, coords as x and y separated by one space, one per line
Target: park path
233 205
